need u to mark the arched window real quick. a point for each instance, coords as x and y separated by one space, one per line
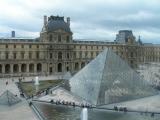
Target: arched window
59 67
15 68
76 66
24 68
39 67
31 67
7 68
59 55
67 68
50 70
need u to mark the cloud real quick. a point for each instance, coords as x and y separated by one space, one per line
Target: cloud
98 19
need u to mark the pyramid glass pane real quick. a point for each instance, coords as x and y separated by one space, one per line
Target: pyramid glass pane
108 79
120 82
8 98
86 82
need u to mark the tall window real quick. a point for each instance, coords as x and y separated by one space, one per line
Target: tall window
131 54
50 55
59 55
76 66
59 67
80 54
91 54
67 38
50 38
59 38
30 55
7 55
14 55
22 55
86 54
67 55
74 55
37 55
0 68
39 67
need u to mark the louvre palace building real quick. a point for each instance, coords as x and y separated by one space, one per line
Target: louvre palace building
56 52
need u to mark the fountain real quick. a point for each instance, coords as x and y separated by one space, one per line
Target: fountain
36 81
84 114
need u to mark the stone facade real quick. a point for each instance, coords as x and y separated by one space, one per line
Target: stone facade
55 51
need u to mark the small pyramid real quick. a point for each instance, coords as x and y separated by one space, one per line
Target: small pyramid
109 79
67 76
8 98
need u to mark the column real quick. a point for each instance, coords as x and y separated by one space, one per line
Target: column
19 66
35 68
11 68
27 68
3 68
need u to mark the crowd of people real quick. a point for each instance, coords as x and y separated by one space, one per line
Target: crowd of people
124 109
59 102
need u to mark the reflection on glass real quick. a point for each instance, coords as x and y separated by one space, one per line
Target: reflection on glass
108 79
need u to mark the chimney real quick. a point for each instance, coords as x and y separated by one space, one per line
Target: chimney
13 34
68 21
45 20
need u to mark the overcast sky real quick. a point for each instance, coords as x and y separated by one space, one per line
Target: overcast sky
90 19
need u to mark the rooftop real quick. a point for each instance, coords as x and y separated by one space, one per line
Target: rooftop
56 22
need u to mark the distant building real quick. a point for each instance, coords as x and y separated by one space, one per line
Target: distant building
56 52
124 35
13 34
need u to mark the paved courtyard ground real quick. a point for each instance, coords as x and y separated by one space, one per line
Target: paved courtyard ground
20 111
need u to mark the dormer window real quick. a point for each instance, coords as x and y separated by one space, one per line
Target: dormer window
59 38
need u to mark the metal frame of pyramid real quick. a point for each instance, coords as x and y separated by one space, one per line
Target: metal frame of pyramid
8 98
109 79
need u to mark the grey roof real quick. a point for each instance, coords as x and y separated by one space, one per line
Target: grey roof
55 24
18 39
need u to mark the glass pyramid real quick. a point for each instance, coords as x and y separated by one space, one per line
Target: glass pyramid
67 76
108 79
8 98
